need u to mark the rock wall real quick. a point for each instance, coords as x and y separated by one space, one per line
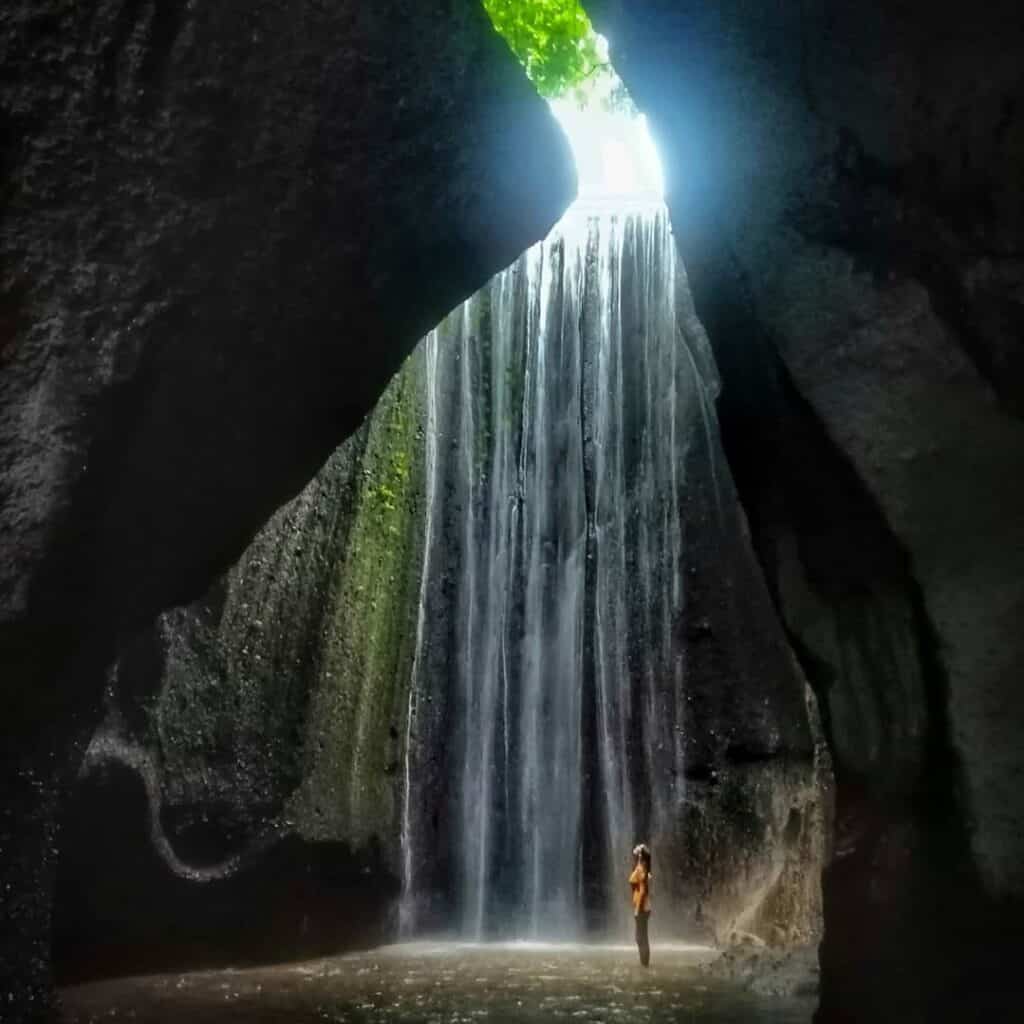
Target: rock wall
843 181
755 834
207 211
252 748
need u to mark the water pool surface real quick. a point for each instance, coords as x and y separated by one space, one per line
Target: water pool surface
443 983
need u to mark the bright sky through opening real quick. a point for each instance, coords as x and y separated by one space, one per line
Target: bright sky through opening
615 155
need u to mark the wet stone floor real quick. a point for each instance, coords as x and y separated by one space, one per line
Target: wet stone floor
434 983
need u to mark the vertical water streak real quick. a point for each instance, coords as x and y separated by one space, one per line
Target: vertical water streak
476 686
407 908
614 699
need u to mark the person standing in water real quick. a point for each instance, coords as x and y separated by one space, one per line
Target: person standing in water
640 882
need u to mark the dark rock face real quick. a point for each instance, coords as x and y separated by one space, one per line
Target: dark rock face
844 183
241 800
229 224
120 910
759 809
208 212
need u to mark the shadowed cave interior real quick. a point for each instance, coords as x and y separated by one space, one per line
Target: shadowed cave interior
415 494
448 685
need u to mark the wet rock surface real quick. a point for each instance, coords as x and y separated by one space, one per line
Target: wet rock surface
779 972
121 908
849 213
245 783
444 984
755 827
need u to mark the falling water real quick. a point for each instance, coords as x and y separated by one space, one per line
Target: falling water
563 398
428 348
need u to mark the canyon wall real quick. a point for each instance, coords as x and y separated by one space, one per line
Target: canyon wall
844 185
207 211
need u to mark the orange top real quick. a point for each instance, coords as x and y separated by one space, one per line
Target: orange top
640 881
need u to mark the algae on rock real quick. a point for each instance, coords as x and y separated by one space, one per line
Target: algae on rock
351 783
283 691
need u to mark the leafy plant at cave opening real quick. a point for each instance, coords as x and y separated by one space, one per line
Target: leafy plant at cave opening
553 40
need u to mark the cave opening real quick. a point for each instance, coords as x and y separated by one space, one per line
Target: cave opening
224 227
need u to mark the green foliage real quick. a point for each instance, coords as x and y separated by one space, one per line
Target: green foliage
553 39
385 497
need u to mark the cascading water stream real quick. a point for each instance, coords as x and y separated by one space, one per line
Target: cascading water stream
562 400
428 347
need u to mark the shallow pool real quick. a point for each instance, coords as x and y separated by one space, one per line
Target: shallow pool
443 983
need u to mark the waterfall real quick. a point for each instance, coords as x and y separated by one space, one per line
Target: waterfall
428 348
563 398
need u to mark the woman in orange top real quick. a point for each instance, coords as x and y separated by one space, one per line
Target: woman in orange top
640 882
